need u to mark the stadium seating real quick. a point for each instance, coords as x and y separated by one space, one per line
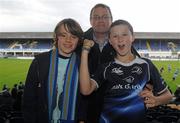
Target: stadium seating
2 119
16 120
167 119
163 114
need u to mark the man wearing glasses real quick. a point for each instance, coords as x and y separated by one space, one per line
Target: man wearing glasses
102 52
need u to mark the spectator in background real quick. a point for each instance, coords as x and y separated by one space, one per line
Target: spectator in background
124 79
7 98
14 92
175 74
169 68
177 95
21 85
161 70
51 87
102 52
18 101
4 87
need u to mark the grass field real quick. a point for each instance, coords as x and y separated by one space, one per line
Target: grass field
15 70
168 75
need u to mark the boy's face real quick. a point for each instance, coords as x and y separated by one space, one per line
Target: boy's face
121 39
66 42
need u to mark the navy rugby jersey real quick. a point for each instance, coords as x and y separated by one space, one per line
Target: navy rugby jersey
124 82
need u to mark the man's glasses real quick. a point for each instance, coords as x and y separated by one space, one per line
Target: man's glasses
105 18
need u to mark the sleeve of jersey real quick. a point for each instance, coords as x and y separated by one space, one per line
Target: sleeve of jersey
159 85
98 76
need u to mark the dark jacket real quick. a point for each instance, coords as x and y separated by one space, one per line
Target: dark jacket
95 56
35 101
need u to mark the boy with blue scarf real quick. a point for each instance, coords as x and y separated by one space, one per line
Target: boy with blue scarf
51 93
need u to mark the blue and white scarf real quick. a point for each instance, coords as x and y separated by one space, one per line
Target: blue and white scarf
70 88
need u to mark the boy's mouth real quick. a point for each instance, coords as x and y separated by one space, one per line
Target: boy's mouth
68 45
121 46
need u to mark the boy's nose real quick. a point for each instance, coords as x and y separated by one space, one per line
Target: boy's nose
68 39
120 38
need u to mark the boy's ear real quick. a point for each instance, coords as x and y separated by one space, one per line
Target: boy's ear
55 36
110 42
133 38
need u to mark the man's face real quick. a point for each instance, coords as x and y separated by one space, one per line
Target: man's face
100 20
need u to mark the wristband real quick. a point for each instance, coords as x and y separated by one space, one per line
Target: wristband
85 48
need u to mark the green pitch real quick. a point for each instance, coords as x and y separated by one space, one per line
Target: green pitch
15 70
168 75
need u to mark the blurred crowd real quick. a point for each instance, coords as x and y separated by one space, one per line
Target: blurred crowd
12 97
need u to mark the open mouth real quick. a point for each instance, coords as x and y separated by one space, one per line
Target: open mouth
67 45
121 47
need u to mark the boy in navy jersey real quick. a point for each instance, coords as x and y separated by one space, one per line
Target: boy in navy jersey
124 79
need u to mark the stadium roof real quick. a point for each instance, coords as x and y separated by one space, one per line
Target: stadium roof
24 35
157 35
44 35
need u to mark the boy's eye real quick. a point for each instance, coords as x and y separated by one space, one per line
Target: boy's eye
124 34
114 36
62 35
74 37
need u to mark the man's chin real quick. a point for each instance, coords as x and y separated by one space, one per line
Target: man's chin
101 30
